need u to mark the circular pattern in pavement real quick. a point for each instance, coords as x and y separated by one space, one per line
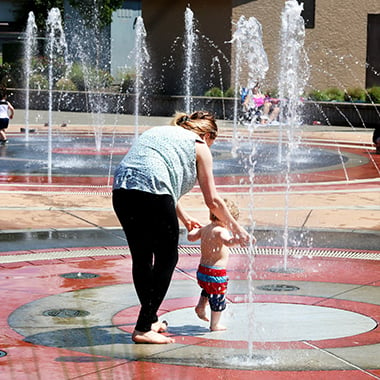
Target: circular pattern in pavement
282 333
281 322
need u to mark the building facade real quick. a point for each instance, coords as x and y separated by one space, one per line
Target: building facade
342 40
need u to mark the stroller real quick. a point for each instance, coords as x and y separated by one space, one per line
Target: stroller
257 112
250 115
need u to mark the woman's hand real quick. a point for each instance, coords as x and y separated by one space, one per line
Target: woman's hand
188 221
192 223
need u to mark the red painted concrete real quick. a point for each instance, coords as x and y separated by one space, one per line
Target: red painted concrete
25 282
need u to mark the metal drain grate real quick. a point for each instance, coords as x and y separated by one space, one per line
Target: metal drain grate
278 288
2 354
79 275
65 313
285 270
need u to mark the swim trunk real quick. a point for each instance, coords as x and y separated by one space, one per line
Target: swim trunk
213 281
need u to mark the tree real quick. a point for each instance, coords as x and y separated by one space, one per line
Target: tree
40 8
90 10
98 10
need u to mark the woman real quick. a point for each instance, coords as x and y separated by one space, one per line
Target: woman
162 165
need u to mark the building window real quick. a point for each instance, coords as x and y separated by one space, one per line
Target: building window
308 12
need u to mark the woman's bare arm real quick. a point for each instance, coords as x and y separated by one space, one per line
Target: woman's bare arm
188 221
213 201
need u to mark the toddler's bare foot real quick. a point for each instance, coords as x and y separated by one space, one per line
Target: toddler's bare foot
218 328
160 327
151 337
201 313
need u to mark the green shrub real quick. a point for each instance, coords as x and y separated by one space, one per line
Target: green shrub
334 93
65 84
330 94
318 96
105 79
355 94
214 92
230 93
77 77
38 82
89 78
39 64
127 82
373 94
7 75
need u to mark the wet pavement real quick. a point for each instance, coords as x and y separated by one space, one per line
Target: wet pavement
69 305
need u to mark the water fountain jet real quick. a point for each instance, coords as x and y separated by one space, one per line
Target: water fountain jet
294 73
29 48
56 45
190 45
249 54
142 63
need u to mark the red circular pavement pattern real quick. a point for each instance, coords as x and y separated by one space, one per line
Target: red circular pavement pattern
43 279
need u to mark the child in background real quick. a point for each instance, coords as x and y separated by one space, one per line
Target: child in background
6 113
212 274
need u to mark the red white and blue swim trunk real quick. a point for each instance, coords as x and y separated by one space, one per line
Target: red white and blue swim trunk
213 281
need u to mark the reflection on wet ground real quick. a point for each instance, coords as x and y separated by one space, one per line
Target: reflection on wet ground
77 156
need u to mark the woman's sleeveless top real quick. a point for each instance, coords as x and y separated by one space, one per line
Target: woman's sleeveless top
161 161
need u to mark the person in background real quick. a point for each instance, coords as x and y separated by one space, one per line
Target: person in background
6 112
162 165
268 107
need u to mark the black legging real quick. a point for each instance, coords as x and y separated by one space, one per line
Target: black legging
151 226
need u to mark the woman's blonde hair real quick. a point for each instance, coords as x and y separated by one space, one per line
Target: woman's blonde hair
200 122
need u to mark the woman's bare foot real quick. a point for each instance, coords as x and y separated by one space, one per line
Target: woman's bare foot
201 313
151 337
218 328
160 327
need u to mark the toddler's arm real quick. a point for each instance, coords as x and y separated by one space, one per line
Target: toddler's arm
227 239
194 234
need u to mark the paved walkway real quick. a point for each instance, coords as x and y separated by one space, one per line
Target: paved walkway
69 305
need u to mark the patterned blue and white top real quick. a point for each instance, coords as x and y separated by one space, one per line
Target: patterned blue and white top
161 161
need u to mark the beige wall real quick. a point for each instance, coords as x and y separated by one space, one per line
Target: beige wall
336 47
164 22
